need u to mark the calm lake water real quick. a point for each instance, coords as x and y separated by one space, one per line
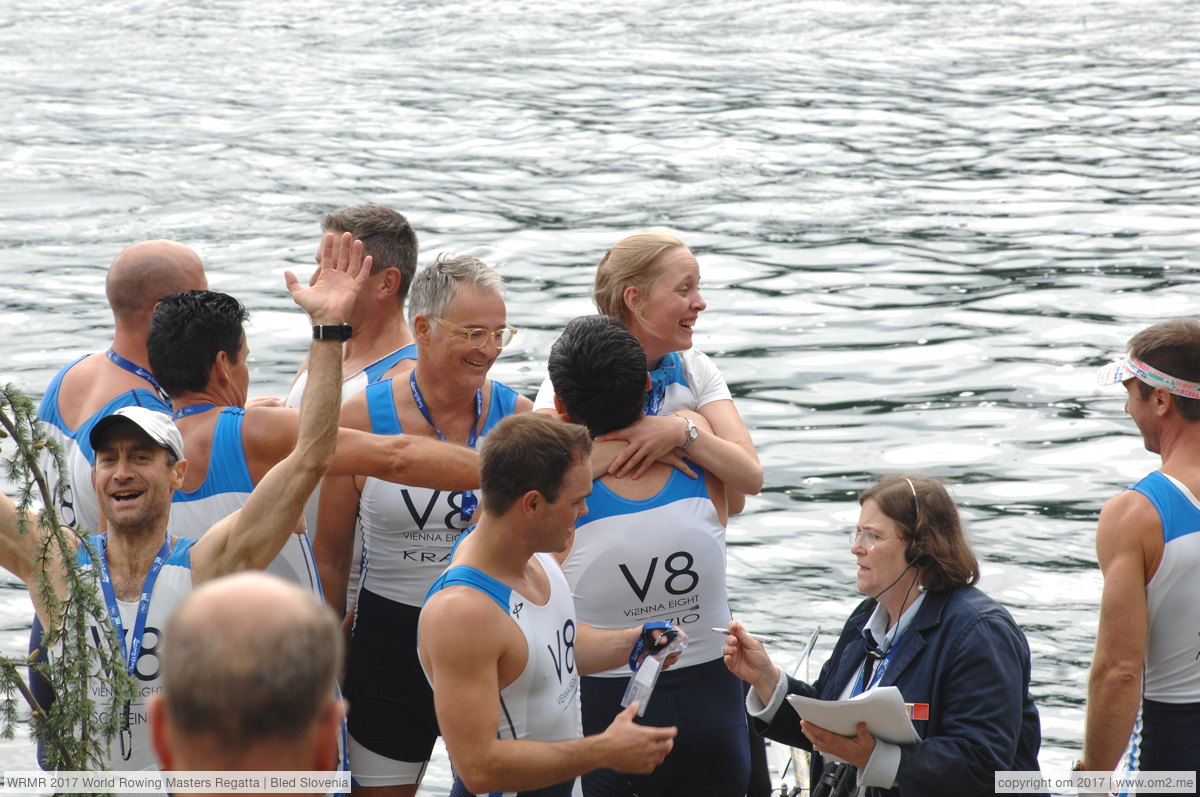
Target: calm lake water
921 226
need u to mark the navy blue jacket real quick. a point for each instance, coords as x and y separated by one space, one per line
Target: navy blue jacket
968 660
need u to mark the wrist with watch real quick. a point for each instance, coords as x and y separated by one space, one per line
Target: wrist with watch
690 434
332 331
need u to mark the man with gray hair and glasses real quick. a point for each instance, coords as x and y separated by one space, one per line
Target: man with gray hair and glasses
1144 686
459 320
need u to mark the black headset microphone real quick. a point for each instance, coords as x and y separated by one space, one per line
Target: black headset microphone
917 556
916 561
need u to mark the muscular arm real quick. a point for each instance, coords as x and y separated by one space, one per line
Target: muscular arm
270 432
1125 537
600 649
465 643
254 535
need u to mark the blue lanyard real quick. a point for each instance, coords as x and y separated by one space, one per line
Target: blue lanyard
138 370
469 499
143 610
880 668
192 409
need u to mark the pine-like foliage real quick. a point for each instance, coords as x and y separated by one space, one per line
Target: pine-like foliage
76 731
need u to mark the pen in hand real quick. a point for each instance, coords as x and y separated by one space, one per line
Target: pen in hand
770 640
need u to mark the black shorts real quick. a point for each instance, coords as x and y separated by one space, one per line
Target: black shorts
391 703
711 756
1170 737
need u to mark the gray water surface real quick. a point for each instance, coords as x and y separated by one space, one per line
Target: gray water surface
921 225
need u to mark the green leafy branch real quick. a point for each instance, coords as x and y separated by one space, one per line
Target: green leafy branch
76 731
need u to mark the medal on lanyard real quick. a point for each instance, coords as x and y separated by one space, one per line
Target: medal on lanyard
469 500
139 628
138 370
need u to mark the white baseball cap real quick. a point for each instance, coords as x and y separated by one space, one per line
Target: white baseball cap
158 425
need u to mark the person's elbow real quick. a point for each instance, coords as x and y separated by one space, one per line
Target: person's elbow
476 774
749 480
1117 675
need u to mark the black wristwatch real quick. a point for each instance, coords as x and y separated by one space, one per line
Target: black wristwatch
332 331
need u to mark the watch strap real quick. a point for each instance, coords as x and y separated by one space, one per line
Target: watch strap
332 331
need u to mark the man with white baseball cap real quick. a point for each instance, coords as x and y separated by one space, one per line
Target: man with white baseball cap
145 570
158 426
1144 687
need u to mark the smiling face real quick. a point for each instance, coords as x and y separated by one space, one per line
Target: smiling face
883 564
134 480
663 319
450 354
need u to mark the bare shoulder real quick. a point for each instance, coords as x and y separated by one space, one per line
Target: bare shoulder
1127 515
462 620
1129 534
270 432
355 414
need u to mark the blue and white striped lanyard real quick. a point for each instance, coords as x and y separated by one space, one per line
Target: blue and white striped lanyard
469 501
138 370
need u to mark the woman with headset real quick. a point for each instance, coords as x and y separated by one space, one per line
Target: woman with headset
958 658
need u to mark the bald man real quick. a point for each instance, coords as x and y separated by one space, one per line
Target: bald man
248 669
95 385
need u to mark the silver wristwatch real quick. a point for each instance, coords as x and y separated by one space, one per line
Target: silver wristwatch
692 432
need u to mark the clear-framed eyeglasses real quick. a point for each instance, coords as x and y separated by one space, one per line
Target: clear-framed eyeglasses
478 337
869 538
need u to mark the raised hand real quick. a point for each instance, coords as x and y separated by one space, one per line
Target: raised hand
331 293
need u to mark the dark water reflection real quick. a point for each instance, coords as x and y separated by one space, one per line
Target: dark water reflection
921 225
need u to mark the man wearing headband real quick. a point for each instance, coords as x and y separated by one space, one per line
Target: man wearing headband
145 569
1143 707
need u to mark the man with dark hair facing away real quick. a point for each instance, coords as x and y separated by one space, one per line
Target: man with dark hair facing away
146 568
651 548
198 343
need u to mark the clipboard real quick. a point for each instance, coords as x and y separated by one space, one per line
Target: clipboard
882 708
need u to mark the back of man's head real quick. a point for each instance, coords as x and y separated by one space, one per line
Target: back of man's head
598 370
246 659
145 272
1172 347
386 235
528 452
187 331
